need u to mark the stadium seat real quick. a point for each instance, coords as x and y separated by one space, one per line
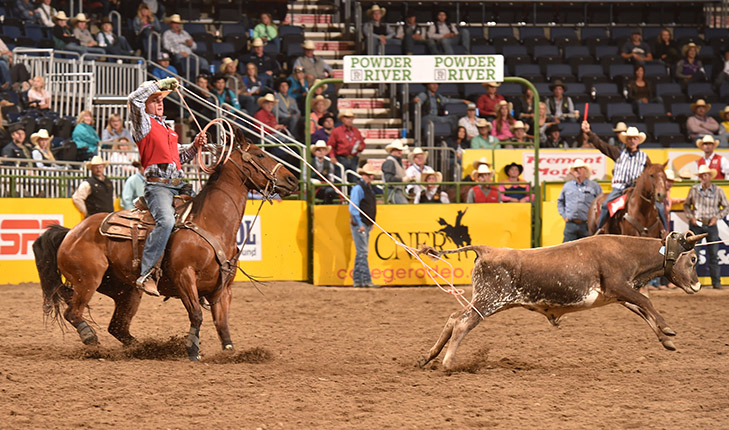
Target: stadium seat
483 50
576 51
514 51
671 93
605 51
592 36
684 35
195 27
11 31
602 129
541 51
650 34
620 112
501 36
569 129
563 36
701 90
290 29
477 35
473 90
590 73
529 72
458 109
450 90
621 71
619 35
237 28
607 92
531 36
510 90
225 49
668 134
594 113
562 72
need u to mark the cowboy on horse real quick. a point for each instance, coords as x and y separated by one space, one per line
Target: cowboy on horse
161 159
629 165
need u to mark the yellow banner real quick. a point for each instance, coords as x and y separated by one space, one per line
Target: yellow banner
494 224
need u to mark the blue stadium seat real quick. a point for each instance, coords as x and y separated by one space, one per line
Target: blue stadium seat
472 90
606 51
700 90
602 129
650 34
540 51
11 31
530 72
593 33
514 51
510 90
668 133
237 28
483 50
589 70
652 110
621 33
685 33
620 112
542 89
569 129
449 89
195 27
458 109
562 72
290 29
576 51
505 34
226 49
532 35
560 35
594 113
575 88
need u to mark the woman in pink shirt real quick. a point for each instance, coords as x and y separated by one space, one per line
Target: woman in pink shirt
502 124
38 93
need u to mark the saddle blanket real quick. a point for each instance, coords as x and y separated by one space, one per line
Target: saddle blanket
617 204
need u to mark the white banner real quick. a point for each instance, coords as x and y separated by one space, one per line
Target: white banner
19 231
360 69
252 250
555 166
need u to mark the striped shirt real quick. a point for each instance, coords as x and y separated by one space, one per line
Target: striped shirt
628 167
175 42
705 204
141 125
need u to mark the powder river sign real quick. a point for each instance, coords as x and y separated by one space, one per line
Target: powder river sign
361 69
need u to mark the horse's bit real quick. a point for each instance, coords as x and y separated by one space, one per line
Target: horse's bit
270 187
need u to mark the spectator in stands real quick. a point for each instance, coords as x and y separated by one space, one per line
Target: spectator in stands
376 30
619 128
689 69
482 193
63 37
459 142
331 96
545 121
411 34
322 165
486 103
431 193
319 106
41 142
167 70
524 107
6 60
265 64
724 129
447 35
393 171
670 201
81 32
635 50
559 106
288 113
575 199
85 136
39 94
265 113
485 138
123 154
144 24
469 121
133 187
416 158
553 138
252 88
224 94
362 198
267 31
17 147
112 44
157 8
179 42
314 67
95 194
45 13
298 86
520 136
518 190
115 130
346 142
723 74
326 126
700 124
711 158
203 91
503 121
640 90
433 106
705 204
666 48
233 79
24 10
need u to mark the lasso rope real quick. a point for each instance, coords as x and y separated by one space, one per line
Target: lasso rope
432 273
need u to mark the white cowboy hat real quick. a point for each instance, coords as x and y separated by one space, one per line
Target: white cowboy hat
175 19
257 42
706 169
685 173
41 134
417 151
580 163
96 161
481 161
502 103
320 144
374 8
323 87
620 127
425 174
632 132
481 122
482 169
723 113
706 139
686 47
226 61
395 144
519 124
80 17
672 176
267 98
471 106
491 84
367 170
699 103
321 99
60 16
349 113
308 44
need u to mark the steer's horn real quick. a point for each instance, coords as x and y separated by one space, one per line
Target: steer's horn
694 239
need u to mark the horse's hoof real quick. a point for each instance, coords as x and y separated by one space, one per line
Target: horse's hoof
87 334
668 331
228 347
193 357
668 344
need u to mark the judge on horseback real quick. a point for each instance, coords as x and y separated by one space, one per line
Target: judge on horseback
161 158
629 165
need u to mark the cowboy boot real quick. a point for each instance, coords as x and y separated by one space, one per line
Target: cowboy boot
148 283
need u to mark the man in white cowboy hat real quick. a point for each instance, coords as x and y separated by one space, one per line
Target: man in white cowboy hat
433 106
314 67
63 37
81 32
95 194
575 199
377 31
484 140
560 106
699 124
481 192
519 129
430 193
161 158
362 198
393 171
16 148
268 67
704 206
635 50
711 158
321 164
346 142
265 113
417 158
181 45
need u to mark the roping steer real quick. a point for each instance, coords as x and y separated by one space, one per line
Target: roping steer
570 277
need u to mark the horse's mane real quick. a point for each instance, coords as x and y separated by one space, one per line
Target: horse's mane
198 199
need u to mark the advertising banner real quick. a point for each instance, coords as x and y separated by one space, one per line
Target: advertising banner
403 69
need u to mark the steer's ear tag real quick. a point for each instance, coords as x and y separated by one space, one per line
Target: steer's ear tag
662 251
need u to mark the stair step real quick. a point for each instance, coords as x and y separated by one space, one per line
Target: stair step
323 35
382 133
336 63
407 141
338 74
301 7
333 45
375 122
369 103
333 54
308 18
376 112
357 92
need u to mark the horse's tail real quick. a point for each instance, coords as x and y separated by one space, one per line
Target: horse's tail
55 291
429 250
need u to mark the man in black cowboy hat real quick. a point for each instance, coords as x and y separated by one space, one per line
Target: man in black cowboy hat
411 34
560 106
552 138
326 122
17 147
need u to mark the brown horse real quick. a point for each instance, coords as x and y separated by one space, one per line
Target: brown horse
640 217
191 268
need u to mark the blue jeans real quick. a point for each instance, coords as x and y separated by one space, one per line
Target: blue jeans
574 231
361 272
159 200
712 251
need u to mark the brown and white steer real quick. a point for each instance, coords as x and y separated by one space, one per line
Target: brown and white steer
571 277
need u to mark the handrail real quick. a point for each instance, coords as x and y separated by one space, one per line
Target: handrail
115 14
153 35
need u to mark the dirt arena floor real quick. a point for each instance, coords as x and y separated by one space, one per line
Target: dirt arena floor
315 357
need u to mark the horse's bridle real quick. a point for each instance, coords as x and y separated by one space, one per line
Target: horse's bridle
246 156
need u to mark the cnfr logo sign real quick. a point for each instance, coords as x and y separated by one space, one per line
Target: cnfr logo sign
18 232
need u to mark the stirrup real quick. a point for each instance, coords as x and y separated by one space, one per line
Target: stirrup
148 284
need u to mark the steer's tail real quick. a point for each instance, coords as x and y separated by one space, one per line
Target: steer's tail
55 292
430 251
